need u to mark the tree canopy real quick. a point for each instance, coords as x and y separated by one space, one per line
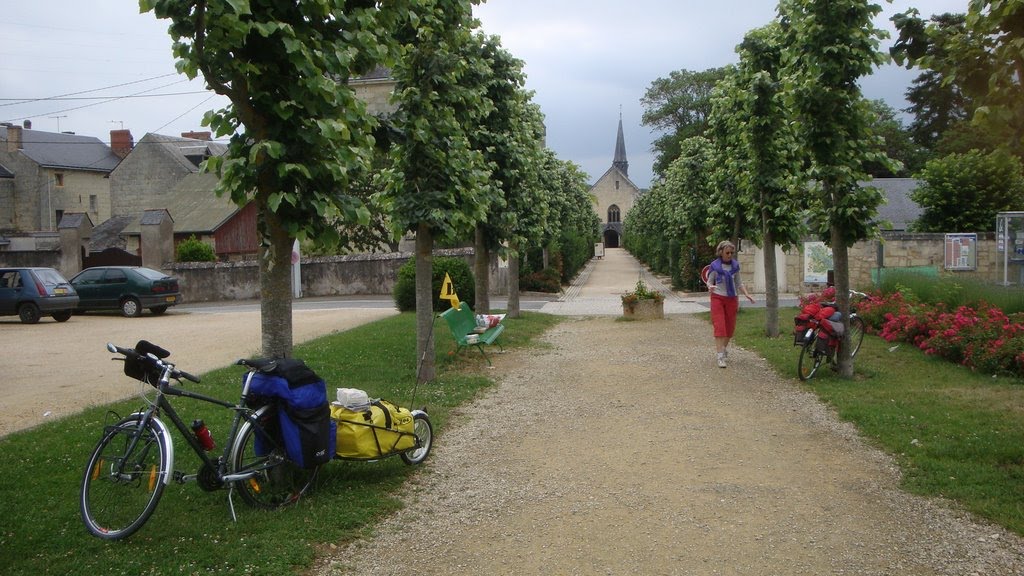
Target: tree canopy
678 106
298 135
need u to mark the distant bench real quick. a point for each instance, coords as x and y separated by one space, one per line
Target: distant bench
462 322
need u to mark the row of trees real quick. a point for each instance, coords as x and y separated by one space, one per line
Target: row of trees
461 158
785 140
772 148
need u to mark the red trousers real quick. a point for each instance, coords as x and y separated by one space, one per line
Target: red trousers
723 315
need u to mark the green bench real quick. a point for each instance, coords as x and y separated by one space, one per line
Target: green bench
462 323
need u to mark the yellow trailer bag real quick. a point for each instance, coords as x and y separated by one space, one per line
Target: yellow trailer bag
369 434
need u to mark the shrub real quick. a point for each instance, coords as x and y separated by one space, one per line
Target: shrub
982 338
547 280
456 268
195 250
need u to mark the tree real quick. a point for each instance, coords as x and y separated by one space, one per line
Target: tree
572 226
757 147
298 133
980 55
529 204
828 46
509 137
902 156
964 192
438 184
679 106
936 100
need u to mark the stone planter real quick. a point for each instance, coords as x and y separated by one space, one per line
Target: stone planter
645 310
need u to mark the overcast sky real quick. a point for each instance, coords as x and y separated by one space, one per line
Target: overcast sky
113 67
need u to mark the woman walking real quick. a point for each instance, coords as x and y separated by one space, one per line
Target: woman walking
724 285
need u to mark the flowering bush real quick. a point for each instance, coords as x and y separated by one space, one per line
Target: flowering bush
983 339
826 295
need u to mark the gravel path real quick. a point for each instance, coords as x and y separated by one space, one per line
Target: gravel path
622 449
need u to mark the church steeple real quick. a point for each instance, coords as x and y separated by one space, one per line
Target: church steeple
619 160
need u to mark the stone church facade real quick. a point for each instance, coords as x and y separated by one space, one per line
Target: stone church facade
614 194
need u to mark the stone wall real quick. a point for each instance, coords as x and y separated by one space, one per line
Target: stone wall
355 275
894 251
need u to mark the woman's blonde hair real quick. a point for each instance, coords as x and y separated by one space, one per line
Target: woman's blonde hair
723 245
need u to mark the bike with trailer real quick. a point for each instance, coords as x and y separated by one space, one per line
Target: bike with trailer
282 431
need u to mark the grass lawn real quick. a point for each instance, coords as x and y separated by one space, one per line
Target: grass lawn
955 433
191 531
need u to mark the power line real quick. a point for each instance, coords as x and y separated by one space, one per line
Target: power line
28 100
57 98
93 104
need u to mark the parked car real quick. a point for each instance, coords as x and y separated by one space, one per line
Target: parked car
32 293
125 288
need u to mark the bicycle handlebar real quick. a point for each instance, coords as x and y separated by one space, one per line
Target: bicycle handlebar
151 359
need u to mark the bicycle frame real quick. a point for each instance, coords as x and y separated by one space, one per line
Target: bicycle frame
162 405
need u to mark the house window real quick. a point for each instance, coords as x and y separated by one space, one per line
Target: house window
613 213
616 184
93 203
58 179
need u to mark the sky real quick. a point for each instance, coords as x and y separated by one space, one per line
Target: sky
92 67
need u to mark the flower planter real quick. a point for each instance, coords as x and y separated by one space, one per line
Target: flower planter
644 310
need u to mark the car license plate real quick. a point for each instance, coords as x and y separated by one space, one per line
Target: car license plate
60 291
170 299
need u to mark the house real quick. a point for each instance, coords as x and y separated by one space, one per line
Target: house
45 174
196 210
162 173
615 194
154 167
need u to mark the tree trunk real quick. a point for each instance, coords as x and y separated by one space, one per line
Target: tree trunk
425 304
482 271
841 275
513 281
771 286
276 288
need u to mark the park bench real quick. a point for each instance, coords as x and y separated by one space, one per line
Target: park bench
462 323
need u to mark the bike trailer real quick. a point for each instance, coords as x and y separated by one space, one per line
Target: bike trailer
383 429
304 415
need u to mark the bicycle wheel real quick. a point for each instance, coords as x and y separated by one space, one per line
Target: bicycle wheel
810 361
124 479
275 481
856 334
424 432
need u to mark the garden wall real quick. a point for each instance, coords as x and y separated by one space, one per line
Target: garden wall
924 253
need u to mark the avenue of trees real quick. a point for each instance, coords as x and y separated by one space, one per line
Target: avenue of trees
461 161
771 149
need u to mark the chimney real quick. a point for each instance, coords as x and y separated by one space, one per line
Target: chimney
14 138
121 142
198 135
27 124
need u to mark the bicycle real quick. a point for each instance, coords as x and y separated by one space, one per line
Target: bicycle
812 356
133 462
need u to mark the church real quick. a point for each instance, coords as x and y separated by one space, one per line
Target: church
614 194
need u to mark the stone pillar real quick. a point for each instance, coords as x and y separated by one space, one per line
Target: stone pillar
157 246
75 229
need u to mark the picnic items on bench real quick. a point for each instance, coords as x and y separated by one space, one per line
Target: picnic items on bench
470 329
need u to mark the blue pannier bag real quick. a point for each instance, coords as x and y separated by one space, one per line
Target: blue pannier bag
303 413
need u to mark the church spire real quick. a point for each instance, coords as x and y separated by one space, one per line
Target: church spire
619 160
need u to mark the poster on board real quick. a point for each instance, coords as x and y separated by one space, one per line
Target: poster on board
817 262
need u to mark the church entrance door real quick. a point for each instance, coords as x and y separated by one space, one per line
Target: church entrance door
611 239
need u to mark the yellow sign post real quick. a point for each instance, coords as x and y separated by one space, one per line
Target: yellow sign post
448 292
